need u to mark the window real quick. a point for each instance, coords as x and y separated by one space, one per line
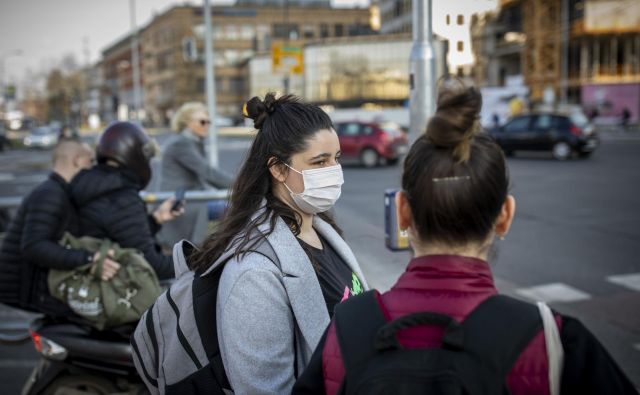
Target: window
308 31
460 19
542 122
448 19
324 30
517 125
164 61
367 130
246 32
460 46
561 123
339 30
219 85
236 85
350 129
231 32
286 31
356 29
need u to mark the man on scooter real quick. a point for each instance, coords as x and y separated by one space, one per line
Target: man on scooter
30 248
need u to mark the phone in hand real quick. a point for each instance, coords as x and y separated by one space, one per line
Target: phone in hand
179 196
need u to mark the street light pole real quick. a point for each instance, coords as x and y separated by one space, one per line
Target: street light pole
212 141
422 70
3 85
564 59
135 60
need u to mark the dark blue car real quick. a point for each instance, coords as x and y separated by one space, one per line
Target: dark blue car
561 134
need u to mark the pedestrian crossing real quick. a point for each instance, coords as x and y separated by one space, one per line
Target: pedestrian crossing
554 292
559 292
631 281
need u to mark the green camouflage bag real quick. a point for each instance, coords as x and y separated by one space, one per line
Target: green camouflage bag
106 304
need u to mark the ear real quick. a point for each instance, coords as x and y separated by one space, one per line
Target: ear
277 169
403 210
505 218
75 162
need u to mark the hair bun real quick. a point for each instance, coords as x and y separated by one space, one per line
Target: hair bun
456 120
259 110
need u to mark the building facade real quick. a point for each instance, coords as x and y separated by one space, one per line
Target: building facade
451 20
349 72
117 74
598 66
172 50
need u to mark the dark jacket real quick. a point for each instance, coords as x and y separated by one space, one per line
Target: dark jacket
110 207
454 286
31 247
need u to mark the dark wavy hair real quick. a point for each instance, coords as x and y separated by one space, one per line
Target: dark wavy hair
455 178
285 126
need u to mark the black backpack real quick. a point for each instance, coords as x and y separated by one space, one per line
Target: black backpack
475 358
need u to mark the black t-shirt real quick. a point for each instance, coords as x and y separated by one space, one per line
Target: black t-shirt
336 278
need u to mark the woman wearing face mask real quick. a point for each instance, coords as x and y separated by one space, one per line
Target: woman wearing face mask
289 264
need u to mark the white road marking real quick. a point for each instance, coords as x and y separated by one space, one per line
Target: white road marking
35 178
631 280
555 292
4 177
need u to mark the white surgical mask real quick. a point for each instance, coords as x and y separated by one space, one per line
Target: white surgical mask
322 188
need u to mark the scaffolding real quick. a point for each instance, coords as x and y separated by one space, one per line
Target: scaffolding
541 60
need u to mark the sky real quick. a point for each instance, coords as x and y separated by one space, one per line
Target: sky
45 30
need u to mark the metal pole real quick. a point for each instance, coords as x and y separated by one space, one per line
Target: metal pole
286 80
135 59
2 88
3 85
422 78
212 140
564 29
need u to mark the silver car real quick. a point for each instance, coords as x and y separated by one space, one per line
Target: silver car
41 137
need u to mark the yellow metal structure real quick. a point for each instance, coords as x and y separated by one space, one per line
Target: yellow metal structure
541 24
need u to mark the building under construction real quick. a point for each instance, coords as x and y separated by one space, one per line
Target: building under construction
584 52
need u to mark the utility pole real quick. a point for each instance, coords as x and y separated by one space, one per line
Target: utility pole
286 79
422 70
212 140
3 84
135 60
564 61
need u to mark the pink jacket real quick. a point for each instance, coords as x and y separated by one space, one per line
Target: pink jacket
451 285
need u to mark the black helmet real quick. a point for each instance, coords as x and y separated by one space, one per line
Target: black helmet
128 145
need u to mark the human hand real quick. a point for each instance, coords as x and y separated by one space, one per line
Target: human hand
164 213
109 266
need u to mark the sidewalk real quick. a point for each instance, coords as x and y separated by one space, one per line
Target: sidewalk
617 133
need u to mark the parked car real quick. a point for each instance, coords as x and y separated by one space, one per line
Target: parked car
371 142
562 134
41 137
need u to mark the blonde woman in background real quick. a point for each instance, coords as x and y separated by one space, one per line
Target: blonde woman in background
185 165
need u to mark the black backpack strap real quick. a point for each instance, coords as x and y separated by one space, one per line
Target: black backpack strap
498 330
357 321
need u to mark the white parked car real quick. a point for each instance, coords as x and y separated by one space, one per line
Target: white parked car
41 137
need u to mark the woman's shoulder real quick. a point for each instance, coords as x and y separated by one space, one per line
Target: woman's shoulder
177 141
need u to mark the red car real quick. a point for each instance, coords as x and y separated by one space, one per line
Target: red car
372 141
